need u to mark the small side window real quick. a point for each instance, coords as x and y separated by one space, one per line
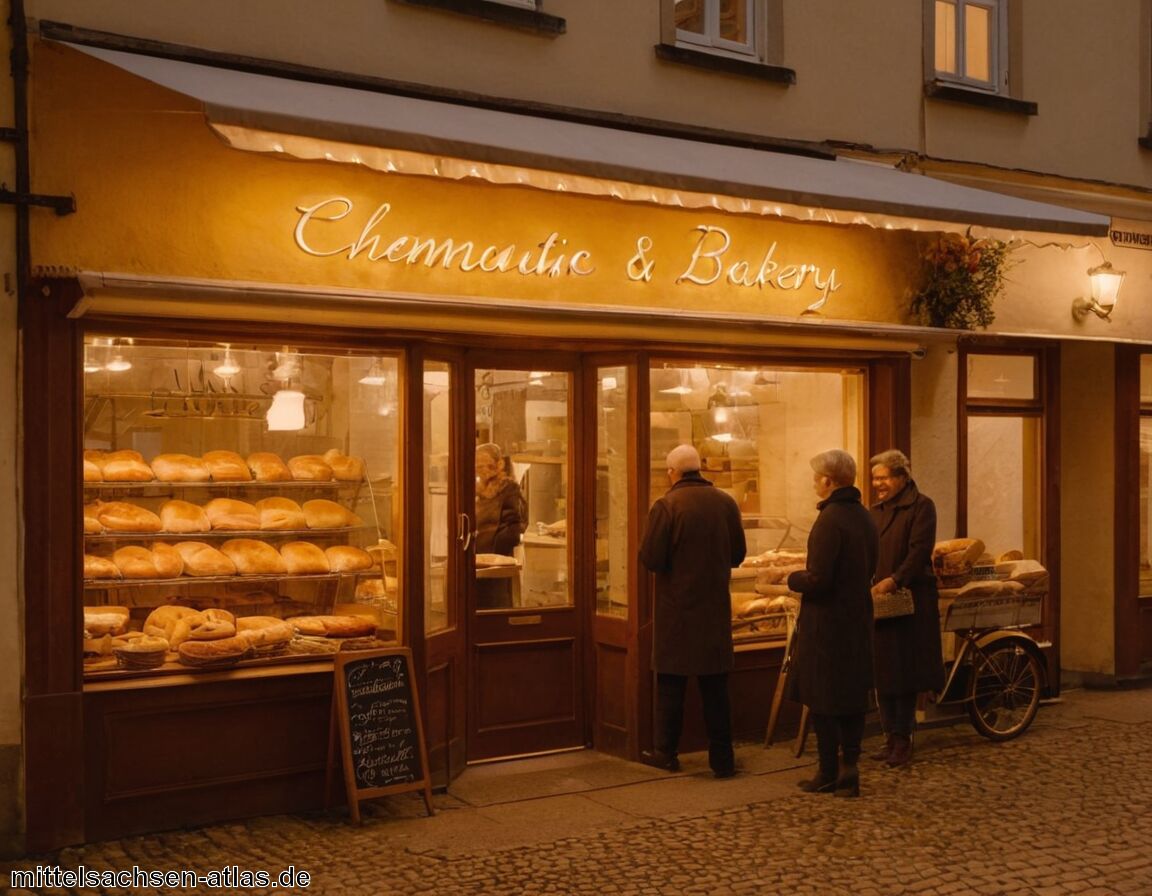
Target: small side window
971 43
724 25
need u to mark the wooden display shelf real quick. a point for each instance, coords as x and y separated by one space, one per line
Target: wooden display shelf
111 584
260 534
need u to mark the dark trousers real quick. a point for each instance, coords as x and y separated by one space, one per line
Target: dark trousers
837 737
670 693
897 713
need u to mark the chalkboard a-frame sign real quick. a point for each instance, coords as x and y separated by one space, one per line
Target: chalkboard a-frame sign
376 711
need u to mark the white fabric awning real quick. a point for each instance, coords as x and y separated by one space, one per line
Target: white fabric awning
461 141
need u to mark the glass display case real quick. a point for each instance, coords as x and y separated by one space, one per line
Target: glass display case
240 504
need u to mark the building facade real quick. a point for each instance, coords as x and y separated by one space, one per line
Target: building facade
386 232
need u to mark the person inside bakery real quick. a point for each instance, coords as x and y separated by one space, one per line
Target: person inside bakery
501 518
693 539
906 649
831 664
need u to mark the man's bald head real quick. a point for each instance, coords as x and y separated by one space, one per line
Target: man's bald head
683 459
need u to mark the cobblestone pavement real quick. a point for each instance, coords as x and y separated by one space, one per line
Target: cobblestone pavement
1066 809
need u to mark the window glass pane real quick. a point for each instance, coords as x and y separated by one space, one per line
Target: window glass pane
612 479
439 612
1146 379
734 21
522 488
1004 484
1002 377
1145 507
946 37
756 429
977 42
689 15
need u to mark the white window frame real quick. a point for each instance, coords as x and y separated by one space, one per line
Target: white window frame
998 54
712 42
523 4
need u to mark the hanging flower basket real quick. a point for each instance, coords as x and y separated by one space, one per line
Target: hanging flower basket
962 277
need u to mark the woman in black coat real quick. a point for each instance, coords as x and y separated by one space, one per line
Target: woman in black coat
907 648
831 665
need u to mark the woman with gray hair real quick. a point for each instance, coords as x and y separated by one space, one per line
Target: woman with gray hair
907 648
831 671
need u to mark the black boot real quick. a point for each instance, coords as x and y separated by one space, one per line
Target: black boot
901 751
885 751
848 783
824 782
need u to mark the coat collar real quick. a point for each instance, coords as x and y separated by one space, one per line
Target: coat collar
690 478
844 495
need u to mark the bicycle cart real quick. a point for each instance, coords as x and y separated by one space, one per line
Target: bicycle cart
997 670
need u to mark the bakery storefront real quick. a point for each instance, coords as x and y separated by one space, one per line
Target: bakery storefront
271 355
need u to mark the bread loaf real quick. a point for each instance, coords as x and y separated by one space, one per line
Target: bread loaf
92 525
210 625
333 626
304 558
183 516
121 516
254 558
310 467
346 558
179 468
280 513
263 631
100 568
320 513
268 467
162 621
231 515
344 467
105 621
135 562
168 561
957 553
227 466
213 653
121 466
202 559
92 472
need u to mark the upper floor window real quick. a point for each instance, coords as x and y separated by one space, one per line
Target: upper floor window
971 43
523 4
723 25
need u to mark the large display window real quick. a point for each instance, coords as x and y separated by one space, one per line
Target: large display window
240 504
756 427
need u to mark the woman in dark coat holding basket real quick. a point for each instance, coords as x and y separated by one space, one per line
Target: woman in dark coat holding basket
906 649
831 663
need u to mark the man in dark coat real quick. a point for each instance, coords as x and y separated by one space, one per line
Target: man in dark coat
831 666
906 648
694 538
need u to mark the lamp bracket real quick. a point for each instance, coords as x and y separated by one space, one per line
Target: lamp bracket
1081 308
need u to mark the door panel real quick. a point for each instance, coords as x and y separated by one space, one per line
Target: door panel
526 669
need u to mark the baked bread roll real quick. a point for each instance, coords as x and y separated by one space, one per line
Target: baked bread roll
100 568
334 626
376 589
213 653
232 515
303 558
92 472
202 559
346 558
254 558
92 525
227 466
121 466
162 621
1008 556
105 621
209 625
183 516
136 562
310 467
121 516
179 468
320 513
280 513
344 467
268 467
263 631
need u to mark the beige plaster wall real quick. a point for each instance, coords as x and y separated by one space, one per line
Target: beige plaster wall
1087 619
933 449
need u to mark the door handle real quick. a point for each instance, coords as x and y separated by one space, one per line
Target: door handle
464 532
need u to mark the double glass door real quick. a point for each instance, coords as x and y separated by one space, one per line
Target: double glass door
501 624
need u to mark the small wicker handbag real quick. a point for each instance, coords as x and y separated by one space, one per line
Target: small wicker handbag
893 604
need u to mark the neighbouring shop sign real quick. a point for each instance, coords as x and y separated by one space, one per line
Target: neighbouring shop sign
1130 238
707 256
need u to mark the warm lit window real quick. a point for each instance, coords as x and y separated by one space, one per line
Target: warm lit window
725 25
971 42
1145 475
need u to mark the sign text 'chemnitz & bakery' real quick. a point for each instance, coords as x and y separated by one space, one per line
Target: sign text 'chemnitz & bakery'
329 228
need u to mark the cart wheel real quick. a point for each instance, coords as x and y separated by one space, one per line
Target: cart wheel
1006 681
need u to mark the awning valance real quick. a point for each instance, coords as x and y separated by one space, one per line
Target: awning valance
313 120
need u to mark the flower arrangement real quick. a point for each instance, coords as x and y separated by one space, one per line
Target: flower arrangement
962 278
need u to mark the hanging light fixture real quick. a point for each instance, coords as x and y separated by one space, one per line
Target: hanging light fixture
287 411
118 363
375 375
228 366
